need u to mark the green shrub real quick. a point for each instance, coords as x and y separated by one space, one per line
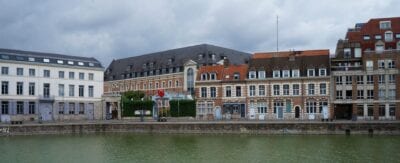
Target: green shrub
186 108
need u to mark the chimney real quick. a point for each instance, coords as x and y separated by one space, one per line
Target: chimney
226 62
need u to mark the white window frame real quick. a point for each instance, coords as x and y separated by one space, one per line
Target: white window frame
203 76
276 74
369 65
310 70
252 75
46 60
322 70
286 73
296 73
388 36
261 74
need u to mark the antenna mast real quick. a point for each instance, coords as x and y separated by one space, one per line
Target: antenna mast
277 34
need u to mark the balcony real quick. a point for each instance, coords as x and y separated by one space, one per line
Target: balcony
389 52
43 98
346 68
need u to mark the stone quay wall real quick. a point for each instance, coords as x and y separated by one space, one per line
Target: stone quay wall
302 128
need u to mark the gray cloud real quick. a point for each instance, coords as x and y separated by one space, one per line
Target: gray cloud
116 29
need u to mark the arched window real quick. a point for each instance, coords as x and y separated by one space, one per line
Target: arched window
190 81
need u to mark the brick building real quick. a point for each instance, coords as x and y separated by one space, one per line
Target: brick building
365 71
221 91
289 85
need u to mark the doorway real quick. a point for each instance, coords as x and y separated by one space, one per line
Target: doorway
297 112
343 111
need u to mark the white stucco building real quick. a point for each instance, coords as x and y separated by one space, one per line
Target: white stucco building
49 87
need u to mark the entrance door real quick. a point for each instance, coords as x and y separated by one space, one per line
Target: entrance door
90 111
242 111
280 112
217 113
297 112
45 111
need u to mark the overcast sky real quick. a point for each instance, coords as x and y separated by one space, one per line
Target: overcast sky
118 28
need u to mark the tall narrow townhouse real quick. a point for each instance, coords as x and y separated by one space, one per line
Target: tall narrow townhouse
365 71
289 85
39 86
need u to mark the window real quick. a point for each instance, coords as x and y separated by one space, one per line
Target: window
322 72
213 92
360 79
311 106
91 90
261 74
61 90
4 70
370 94
204 76
296 89
339 80
46 90
311 89
32 72
378 37
169 83
238 91
366 37
276 74
213 76
81 90
381 110
357 52
381 79
286 73
61 74
369 65
285 89
4 107
391 64
46 73
32 108
392 94
60 61
388 36
397 35
321 105
310 72
203 92
392 110
370 79
384 24
360 94
339 95
349 94
71 108
276 89
81 76
391 78
61 108
91 76
4 87
236 76
262 108
295 73
228 91
252 75
20 107
379 47
261 90
71 75
370 110
349 80
360 110
278 104
381 64
20 88
20 71
46 60
252 90
381 94
81 108
322 88
71 90
30 59
31 88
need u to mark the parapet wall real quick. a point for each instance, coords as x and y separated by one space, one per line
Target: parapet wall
335 128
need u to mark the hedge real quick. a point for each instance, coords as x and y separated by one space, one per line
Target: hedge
186 108
129 107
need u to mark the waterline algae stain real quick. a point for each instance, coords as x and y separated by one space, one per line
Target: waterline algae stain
127 147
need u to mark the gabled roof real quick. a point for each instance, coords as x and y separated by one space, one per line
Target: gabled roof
21 55
224 73
372 28
179 57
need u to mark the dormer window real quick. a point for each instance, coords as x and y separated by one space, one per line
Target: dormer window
5 57
144 65
170 60
388 36
236 76
60 61
91 64
252 75
384 24
204 76
213 57
286 73
46 60
70 62
295 73
31 59
310 72
378 37
379 47
276 74
200 56
347 53
213 76
366 37
322 72
80 63
261 74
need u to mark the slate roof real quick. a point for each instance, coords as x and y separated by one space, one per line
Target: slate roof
23 56
289 60
174 58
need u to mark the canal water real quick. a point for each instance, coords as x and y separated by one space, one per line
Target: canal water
124 147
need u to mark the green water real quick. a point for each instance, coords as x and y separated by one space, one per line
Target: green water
198 148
